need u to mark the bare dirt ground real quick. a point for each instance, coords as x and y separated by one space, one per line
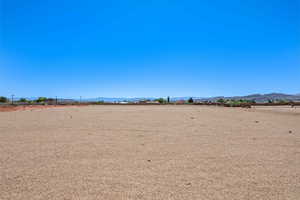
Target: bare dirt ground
150 152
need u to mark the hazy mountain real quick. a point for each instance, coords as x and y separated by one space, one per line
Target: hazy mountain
256 97
259 97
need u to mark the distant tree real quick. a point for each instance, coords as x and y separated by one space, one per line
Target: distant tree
236 102
191 100
41 99
3 99
270 101
23 100
161 100
221 100
246 101
168 99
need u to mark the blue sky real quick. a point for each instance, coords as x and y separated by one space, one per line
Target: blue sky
153 48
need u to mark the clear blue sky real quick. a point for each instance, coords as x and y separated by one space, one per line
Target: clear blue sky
156 48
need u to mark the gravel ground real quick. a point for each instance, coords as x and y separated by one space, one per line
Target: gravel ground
150 152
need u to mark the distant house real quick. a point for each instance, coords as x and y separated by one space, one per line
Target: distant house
180 102
199 101
152 102
148 102
142 101
123 102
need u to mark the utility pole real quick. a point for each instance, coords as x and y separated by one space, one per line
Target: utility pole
55 100
12 99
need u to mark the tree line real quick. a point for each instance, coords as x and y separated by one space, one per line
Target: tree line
24 100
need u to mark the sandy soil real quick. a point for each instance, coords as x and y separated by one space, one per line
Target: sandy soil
150 152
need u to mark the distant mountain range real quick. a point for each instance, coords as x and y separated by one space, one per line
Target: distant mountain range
117 99
257 97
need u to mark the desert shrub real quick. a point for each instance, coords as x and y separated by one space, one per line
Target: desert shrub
282 101
238 103
232 103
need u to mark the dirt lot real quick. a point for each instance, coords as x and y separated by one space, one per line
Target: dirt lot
150 152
